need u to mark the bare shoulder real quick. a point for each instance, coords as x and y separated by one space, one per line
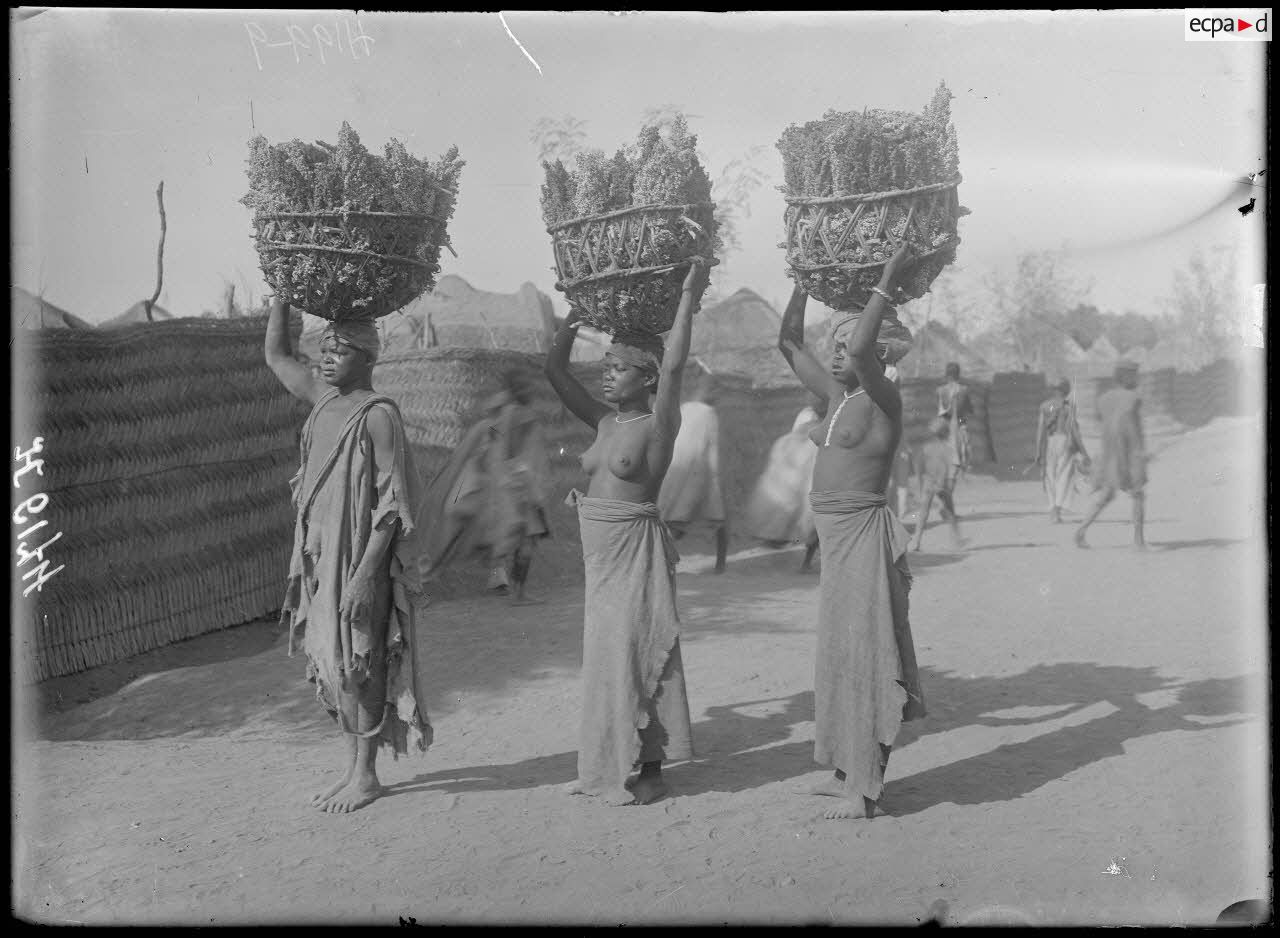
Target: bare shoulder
382 420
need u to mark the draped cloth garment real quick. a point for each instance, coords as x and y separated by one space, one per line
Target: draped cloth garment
691 489
492 493
339 501
634 702
778 509
866 683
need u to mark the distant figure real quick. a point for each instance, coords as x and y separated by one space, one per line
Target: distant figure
691 491
491 498
1059 448
1124 457
933 471
900 477
778 511
955 407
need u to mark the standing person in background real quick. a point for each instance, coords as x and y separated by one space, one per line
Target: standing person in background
955 407
900 478
1058 446
933 469
866 682
491 497
1123 464
691 491
778 510
634 706
353 576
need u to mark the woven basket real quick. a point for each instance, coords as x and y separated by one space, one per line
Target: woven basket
624 270
837 246
397 250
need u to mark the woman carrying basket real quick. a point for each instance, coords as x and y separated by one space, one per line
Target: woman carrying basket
634 703
866 681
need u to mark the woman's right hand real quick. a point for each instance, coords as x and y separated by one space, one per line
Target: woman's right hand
901 259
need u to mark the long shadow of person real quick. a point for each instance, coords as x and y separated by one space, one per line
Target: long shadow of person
1012 770
740 750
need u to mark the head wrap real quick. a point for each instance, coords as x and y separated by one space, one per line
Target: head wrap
1064 386
640 351
357 333
893 342
953 369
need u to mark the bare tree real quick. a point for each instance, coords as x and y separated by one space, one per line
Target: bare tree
558 138
732 192
159 254
1206 306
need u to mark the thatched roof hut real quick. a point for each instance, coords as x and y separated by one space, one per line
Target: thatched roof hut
934 347
28 311
135 314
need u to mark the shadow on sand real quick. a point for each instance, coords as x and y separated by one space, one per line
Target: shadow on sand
739 750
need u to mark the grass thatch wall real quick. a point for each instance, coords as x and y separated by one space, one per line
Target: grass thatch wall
168 448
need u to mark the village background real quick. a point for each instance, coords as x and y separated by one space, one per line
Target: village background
168 444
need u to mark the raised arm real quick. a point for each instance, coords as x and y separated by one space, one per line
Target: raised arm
802 361
295 376
666 403
569 389
862 345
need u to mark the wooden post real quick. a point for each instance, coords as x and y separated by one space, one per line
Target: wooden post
159 254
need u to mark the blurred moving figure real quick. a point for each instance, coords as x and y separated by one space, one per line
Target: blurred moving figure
778 511
691 491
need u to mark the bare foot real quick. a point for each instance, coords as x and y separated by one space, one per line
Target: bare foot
527 601
320 798
575 788
851 809
1080 539
618 797
648 789
353 797
1140 546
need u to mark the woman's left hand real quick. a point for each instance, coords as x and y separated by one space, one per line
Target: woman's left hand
697 275
357 601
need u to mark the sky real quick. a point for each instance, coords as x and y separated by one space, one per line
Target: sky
1103 135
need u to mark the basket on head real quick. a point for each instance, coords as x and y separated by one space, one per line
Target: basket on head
624 270
339 263
837 246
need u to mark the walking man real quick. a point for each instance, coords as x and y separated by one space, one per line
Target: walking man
1124 456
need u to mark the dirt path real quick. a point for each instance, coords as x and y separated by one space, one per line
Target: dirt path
1096 750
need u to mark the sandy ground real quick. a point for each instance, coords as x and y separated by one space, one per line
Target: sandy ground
1096 750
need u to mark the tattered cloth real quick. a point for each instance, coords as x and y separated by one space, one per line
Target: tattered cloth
634 702
866 683
338 507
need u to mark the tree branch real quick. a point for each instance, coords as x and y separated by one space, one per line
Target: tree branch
159 253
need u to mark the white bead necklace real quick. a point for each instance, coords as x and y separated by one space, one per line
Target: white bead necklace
836 416
619 419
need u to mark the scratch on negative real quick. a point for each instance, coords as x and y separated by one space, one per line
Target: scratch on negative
517 42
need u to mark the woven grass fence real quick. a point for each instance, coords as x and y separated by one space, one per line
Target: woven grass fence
168 449
1012 414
